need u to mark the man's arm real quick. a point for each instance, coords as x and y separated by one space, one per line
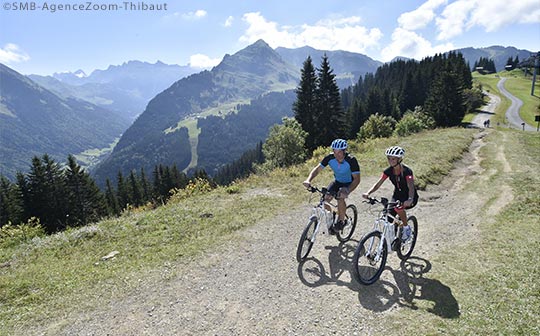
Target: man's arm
314 172
355 182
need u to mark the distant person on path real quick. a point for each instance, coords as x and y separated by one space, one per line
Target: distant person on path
402 178
346 177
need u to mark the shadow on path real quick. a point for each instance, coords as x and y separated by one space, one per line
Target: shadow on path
410 286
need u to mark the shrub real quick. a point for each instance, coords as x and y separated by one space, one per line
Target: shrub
13 235
412 122
377 126
285 145
198 186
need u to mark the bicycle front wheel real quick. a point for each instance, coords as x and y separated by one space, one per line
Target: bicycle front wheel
351 216
406 248
306 240
370 258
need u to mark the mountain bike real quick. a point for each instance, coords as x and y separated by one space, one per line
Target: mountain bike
322 221
370 256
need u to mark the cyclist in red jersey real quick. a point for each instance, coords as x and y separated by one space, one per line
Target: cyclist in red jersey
402 178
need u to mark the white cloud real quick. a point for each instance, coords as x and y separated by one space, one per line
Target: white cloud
12 54
453 19
420 17
203 61
492 15
409 44
229 21
190 16
342 33
495 14
198 14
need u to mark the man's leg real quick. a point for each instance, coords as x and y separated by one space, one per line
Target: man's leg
342 208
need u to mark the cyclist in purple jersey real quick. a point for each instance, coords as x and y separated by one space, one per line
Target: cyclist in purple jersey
346 176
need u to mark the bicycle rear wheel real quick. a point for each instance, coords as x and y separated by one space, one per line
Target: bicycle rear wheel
406 248
369 261
306 240
351 216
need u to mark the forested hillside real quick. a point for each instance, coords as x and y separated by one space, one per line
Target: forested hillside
229 137
158 135
439 86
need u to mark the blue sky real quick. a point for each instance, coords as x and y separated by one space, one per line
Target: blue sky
47 39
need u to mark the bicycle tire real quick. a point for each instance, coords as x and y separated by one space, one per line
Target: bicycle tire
405 249
305 244
366 268
351 216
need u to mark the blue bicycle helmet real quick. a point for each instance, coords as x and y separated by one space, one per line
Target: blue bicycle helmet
339 144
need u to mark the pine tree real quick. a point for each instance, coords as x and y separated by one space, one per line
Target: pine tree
445 103
47 194
112 199
11 204
509 64
146 192
24 194
123 192
330 118
136 193
86 202
157 183
356 116
305 106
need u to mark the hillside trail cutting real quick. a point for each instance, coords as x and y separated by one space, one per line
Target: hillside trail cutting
253 285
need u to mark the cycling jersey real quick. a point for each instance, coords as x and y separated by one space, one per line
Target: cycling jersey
343 171
401 189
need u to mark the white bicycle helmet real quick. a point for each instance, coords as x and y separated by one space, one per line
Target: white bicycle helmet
339 144
395 151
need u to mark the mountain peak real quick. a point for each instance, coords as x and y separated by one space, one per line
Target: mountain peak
258 58
80 74
69 77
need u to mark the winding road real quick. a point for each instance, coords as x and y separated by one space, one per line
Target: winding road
512 114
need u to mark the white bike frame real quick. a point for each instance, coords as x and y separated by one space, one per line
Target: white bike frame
383 225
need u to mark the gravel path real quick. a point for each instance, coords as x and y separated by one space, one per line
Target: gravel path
487 110
254 286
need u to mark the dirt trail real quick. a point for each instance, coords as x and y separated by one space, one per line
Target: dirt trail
254 286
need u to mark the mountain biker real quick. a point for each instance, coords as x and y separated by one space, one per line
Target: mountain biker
346 177
402 178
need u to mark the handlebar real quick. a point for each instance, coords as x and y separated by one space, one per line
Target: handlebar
383 200
315 189
322 190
